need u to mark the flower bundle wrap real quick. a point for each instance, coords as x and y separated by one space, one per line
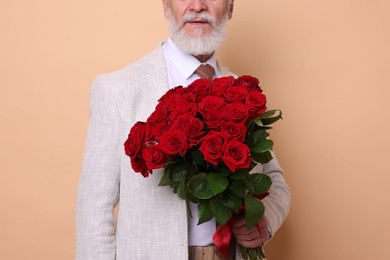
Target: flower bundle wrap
209 137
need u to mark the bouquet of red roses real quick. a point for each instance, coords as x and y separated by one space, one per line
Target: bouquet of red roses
208 137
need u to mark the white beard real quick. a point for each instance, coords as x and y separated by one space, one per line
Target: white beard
199 44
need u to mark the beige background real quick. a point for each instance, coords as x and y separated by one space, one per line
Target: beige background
324 63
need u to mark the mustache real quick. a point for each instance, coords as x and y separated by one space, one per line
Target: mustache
202 16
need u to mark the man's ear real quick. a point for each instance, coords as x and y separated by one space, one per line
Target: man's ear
165 8
230 10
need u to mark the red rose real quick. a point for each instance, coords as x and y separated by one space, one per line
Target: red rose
236 112
183 109
139 165
135 140
235 94
181 122
200 88
211 103
192 127
234 131
154 157
256 102
168 104
194 131
213 120
236 156
158 116
212 147
248 82
149 135
174 92
219 85
186 97
174 142
158 129
132 146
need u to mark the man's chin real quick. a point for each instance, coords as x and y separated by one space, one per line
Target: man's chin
196 47
196 33
199 41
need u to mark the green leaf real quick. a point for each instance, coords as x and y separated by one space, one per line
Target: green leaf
238 188
231 200
259 135
197 187
268 117
262 157
223 170
262 183
258 121
181 190
270 113
204 211
165 179
262 145
194 181
240 174
254 210
249 184
221 213
203 191
179 172
217 183
198 157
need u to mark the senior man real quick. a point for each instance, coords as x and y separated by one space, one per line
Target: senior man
152 221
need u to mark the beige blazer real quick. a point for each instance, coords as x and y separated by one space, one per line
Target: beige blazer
152 220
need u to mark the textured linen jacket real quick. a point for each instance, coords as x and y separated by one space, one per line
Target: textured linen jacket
152 220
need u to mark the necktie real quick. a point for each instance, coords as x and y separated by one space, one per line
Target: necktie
205 71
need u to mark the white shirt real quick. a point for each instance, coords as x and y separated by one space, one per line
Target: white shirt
181 67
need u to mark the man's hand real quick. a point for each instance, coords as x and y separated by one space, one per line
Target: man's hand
250 238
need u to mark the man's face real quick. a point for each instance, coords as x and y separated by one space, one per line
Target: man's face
198 27
188 15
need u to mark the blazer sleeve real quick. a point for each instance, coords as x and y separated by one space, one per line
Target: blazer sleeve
98 189
277 203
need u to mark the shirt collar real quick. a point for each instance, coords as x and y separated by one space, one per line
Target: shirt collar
185 63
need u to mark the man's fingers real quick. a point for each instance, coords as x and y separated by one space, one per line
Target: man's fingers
247 235
244 230
250 243
239 221
253 237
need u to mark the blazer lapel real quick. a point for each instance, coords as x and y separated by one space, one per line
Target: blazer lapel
154 79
